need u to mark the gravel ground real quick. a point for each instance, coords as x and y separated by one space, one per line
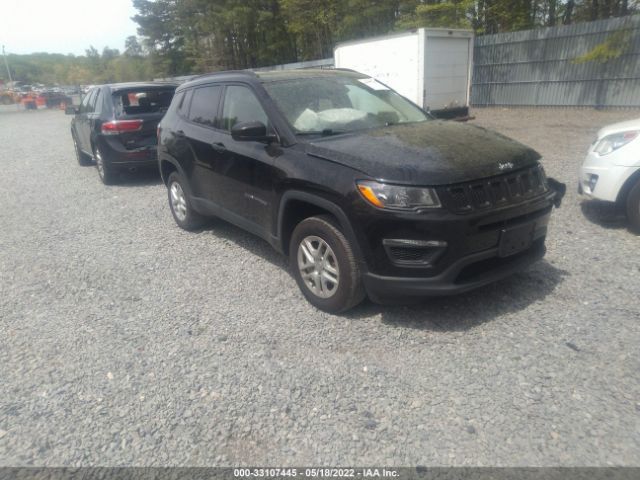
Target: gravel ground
126 341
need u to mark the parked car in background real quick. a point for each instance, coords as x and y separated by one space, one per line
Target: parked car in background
53 99
363 190
9 97
611 170
71 90
115 126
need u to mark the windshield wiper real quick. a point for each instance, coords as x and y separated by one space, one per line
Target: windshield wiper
329 131
325 133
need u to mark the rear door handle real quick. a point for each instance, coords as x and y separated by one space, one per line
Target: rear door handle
180 133
218 147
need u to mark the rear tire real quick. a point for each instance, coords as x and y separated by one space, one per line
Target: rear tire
84 160
633 208
180 204
324 265
106 171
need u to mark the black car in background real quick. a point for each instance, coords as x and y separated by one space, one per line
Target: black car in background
54 98
363 190
115 126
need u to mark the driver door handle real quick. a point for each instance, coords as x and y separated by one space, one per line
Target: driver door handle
218 147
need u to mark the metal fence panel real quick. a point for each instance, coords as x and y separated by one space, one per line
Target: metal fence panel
538 67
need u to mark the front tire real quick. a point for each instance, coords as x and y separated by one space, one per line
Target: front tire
106 172
633 208
324 265
181 209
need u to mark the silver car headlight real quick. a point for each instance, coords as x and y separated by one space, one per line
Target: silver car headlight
398 197
612 142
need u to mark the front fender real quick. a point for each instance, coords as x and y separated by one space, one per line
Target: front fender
320 202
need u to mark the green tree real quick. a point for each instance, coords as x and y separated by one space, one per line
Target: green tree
446 14
313 25
186 36
132 47
162 27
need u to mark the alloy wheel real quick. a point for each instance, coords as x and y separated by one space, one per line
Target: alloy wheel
318 266
178 201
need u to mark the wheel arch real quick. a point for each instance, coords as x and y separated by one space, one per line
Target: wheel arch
627 186
168 166
296 205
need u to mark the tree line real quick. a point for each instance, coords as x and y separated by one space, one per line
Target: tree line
110 65
179 37
208 35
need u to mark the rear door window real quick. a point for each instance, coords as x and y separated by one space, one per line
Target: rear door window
204 105
136 101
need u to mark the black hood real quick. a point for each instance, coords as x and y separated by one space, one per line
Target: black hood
427 153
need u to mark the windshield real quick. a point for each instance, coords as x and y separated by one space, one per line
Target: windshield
335 104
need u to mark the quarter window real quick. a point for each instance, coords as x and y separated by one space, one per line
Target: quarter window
241 105
183 106
96 102
87 101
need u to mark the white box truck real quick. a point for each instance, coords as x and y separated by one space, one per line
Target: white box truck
429 66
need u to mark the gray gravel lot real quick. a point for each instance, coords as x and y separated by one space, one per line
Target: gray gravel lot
126 341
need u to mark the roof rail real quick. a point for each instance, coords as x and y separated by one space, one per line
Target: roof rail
224 72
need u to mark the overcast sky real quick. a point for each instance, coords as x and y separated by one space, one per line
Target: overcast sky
64 26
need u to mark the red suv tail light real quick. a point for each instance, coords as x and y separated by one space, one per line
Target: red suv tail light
116 127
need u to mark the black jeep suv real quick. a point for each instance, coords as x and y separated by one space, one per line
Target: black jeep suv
115 126
365 192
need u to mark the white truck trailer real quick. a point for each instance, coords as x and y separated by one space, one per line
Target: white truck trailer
430 66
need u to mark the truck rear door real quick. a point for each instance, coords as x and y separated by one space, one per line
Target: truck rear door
446 72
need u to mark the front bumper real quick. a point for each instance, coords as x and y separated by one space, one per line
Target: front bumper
609 177
474 254
466 274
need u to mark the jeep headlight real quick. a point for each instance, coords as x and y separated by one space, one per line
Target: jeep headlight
398 197
612 142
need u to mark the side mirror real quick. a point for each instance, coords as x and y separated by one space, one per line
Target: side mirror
251 131
71 110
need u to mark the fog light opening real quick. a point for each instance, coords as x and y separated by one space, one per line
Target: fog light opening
417 253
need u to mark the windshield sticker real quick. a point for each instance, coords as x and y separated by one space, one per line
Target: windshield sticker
373 84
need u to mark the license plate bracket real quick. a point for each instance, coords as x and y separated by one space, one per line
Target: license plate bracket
515 240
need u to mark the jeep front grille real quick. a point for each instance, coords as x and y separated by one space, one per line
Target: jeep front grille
508 189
